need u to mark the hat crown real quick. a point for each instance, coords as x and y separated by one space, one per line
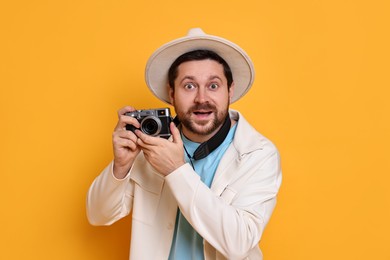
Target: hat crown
195 32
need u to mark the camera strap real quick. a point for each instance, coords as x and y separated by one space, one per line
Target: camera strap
210 145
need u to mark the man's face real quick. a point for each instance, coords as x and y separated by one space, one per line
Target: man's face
201 98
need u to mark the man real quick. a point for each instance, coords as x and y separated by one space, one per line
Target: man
208 191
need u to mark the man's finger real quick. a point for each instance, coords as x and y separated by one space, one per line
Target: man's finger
127 120
175 133
145 139
124 110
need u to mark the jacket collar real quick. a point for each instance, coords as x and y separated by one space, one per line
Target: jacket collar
246 138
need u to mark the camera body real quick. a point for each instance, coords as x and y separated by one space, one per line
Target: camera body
154 122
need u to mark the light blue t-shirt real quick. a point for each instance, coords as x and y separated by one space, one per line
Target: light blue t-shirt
187 243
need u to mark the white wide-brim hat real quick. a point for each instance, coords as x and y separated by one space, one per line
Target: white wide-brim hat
156 72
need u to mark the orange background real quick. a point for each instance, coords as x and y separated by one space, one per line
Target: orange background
321 93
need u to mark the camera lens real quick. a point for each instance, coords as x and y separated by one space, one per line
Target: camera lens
151 125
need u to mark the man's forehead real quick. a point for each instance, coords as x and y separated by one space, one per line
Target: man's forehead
205 68
201 64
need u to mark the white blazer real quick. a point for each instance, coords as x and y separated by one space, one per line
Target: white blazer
230 216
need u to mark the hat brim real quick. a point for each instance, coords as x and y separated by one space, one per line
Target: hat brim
156 72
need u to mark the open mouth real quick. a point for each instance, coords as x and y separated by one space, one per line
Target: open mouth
202 113
202 116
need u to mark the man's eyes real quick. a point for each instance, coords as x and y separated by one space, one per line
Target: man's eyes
189 86
212 86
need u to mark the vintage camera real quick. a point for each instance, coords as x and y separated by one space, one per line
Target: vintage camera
154 122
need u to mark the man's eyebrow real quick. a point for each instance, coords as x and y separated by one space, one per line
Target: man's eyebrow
215 77
187 77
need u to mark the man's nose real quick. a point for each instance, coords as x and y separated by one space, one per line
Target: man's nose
201 95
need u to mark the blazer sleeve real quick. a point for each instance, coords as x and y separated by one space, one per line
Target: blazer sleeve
233 221
109 199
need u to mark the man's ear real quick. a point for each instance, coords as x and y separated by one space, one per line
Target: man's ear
231 92
171 94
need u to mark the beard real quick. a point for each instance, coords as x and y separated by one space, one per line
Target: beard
203 127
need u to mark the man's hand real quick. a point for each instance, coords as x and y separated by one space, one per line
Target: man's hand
124 143
164 155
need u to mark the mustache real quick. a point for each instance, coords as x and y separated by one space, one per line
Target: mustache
202 107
